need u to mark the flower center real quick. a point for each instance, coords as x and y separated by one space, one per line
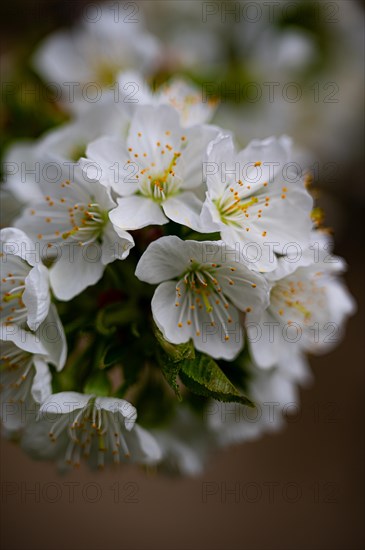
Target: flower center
238 206
91 430
71 217
156 176
198 293
87 221
105 72
78 150
294 300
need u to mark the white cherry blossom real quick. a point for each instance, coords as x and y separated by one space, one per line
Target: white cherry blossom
72 228
202 292
180 94
255 200
25 296
100 430
308 307
184 451
25 376
157 171
274 394
85 61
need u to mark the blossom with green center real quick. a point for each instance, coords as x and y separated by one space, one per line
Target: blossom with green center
254 199
99 430
72 228
94 53
202 291
157 171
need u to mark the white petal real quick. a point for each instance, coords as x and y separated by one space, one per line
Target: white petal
220 151
36 296
249 289
41 387
187 99
287 220
21 158
60 46
184 209
23 339
124 408
268 151
78 268
72 138
166 314
266 340
116 244
164 259
194 154
137 212
210 221
222 341
53 339
295 366
149 125
134 90
143 446
111 156
16 242
251 246
63 403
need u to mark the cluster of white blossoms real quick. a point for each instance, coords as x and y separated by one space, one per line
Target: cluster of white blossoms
150 266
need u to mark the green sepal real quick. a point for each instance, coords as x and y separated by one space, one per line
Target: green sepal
204 377
170 370
170 357
98 384
175 352
114 315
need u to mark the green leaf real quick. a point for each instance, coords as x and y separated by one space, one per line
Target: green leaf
204 377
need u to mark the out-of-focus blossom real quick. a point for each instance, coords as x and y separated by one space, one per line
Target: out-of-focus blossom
25 375
100 430
85 61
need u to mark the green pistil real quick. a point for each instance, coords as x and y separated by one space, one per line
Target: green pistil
77 152
207 304
301 308
199 282
237 206
15 296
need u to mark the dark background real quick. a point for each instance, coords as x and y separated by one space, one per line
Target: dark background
297 490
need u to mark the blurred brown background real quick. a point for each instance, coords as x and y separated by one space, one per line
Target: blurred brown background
297 490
